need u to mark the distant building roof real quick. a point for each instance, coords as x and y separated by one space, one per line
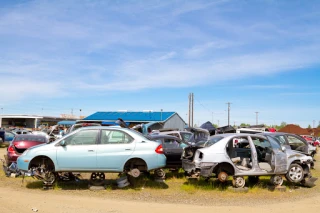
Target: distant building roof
146 116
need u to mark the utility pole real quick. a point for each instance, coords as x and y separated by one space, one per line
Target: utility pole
257 117
218 123
190 110
313 123
80 113
228 113
212 117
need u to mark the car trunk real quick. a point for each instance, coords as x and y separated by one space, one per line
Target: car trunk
189 152
21 146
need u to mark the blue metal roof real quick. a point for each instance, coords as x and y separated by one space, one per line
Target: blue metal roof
131 116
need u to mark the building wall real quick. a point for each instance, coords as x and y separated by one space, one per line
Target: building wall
175 122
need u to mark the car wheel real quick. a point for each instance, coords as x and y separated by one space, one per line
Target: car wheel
238 182
160 173
276 180
295 173
222 177
97 178
50 178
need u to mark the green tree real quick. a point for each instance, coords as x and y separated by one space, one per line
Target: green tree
244 124
309 126
215 125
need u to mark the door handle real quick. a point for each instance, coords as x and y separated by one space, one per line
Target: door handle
128 149
90 150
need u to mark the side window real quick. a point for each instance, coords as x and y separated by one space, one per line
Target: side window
85 137
260 142
281 139
274 143
115 137
295 141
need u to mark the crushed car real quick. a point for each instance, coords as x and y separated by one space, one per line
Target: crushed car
240 155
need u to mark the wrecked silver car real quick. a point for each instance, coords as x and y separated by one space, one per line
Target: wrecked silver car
241 155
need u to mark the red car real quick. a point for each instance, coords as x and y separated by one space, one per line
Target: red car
311 139
22 142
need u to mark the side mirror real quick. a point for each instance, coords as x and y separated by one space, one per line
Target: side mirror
62 143
283 148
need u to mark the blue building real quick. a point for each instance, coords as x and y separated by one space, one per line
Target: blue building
166 119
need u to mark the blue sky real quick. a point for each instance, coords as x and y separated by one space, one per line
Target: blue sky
260 55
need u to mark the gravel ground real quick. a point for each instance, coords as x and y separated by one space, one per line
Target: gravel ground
175 190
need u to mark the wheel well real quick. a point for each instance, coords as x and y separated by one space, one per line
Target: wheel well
305 167
137 163
225 167
40 160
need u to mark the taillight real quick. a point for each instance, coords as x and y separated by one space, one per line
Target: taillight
159 149
11 149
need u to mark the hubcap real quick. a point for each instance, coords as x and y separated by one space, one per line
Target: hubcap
295 173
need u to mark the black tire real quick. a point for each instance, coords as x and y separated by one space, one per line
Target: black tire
295 173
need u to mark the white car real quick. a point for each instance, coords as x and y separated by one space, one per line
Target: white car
241 155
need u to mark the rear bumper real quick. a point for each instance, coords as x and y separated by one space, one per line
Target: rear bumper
12 157
188 165
205 169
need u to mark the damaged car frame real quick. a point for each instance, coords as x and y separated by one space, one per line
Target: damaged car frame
241 155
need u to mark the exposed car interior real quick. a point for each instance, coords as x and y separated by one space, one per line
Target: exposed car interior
239 151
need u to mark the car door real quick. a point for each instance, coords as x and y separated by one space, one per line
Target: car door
173 150
79 151
297 143
115 148
280 156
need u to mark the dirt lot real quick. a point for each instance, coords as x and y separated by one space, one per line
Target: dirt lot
176 194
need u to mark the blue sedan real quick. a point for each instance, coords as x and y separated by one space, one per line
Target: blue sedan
94 149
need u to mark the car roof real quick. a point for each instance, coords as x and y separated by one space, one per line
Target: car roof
236 134
276 133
